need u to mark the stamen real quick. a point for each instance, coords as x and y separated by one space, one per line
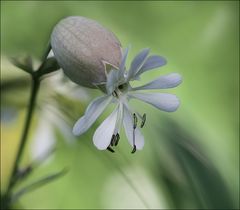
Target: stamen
113 140
115 93
117 139
134 127
143 120
110 149
135 120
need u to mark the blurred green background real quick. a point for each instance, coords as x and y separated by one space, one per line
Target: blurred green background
190 158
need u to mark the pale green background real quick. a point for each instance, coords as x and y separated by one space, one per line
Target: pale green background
200 40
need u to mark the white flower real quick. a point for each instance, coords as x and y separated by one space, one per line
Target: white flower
119 91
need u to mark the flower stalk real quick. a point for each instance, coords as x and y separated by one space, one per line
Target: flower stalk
31 105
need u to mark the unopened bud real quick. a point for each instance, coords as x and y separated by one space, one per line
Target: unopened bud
82 47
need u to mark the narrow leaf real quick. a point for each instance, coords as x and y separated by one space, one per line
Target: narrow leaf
37 184
24 64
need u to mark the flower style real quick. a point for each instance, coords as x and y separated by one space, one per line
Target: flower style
119 91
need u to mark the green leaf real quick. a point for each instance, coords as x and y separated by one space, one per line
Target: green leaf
37 184
23 173
23 63
204 186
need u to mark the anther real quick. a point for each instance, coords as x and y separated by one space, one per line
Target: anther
117 137
134 149
110 149
143 120
113 140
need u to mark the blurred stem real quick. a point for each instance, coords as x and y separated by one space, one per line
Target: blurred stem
47 66
31 106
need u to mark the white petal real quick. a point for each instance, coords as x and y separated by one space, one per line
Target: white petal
119 119
93 111
137 63
112 81
103 135
124 58
163 82
152 62
163 101
128 126
116 76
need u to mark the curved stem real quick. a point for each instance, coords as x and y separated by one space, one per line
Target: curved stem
31 106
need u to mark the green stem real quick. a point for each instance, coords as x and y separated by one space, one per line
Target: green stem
23 140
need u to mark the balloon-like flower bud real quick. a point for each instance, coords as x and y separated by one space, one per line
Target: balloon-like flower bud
83 48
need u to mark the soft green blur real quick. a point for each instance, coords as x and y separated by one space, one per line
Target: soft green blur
190 158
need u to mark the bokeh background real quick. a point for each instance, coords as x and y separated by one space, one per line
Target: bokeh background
190 158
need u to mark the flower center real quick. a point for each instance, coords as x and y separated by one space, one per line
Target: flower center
120 90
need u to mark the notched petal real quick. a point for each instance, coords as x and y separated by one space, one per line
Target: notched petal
163 82
163 101
103 135
137 63
93 111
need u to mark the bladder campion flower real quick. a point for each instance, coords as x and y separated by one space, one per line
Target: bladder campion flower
91 56
119 92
